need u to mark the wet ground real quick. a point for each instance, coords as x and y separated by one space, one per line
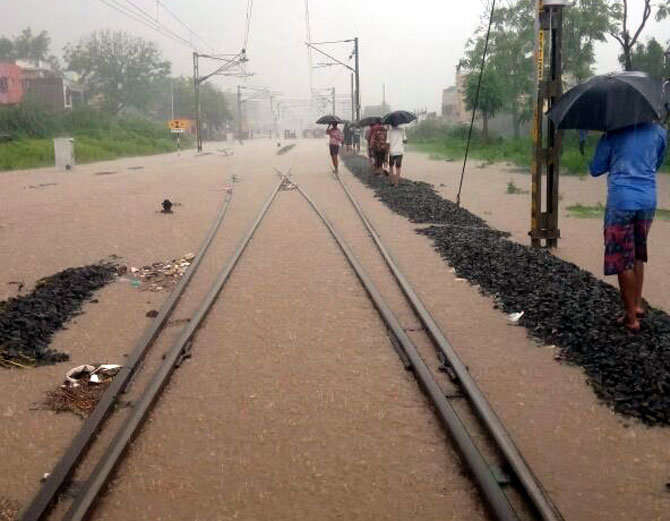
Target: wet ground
294 405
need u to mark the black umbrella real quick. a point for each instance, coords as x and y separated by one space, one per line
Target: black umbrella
610 102
370 120
398 117
329 120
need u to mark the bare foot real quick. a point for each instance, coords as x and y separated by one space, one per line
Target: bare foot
633 327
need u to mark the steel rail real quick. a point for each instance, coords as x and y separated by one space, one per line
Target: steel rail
62 472
532 487
491 490
106 465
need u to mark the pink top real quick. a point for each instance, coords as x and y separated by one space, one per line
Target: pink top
336 137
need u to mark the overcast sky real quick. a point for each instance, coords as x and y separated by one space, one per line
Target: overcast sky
411 46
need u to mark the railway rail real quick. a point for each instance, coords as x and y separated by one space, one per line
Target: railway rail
530 500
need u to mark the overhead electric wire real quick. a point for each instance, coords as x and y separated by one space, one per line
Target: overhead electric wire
476 106
150 24
140 15
250 6
185 25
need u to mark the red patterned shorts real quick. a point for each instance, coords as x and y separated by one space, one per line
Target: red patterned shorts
626 238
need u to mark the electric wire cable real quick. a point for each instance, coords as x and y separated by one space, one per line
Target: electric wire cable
474 109
150 24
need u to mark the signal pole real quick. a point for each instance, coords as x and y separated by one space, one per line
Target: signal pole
196 89
358 81
353 109
546 153
355 69
229 62
239 113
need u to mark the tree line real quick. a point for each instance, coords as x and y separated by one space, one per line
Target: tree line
122 73
508 78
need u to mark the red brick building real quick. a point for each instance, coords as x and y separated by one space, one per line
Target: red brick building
11 84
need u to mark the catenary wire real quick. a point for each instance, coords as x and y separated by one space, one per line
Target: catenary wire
476 106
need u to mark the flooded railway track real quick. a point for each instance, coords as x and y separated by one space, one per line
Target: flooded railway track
519 495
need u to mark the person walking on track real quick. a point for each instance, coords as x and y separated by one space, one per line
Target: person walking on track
395 141
368 136
336 139
379 146
631 156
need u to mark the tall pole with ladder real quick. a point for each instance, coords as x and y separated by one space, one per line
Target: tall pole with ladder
546 151
196 88
358 80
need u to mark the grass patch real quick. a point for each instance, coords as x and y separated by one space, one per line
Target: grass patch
514 189
34 153
97 136
448 143
589 212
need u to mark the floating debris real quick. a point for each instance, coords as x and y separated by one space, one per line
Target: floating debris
285 149
107 172
84 386
160 275
41 185
563 304
27 322
9 509
167 206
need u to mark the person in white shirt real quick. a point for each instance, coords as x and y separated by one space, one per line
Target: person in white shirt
396 139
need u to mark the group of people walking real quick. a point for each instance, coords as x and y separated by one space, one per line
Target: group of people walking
385 146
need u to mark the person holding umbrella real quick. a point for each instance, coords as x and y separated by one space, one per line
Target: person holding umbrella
395 140
631 156
627 107
336 139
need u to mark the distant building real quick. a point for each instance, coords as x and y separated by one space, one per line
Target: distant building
453 101
376 110
21 82
11 84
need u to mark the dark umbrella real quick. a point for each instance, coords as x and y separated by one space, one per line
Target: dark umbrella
610 102
398 117
370 120
328 120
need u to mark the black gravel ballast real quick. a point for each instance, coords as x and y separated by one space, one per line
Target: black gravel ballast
28 322
563 304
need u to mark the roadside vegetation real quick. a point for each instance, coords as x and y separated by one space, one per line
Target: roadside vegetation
447 143
130 98
598 211
97 136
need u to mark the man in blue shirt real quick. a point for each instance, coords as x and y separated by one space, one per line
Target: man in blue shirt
631 156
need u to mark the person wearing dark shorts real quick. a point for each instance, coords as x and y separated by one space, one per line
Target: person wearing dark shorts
395 141
335 140
379 146
631 156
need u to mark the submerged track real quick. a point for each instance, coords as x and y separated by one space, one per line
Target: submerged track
492 489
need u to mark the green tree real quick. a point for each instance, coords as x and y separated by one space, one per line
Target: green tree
30 47
650 58
117 67
510 54
214 109
621 30
6 50
584 24
512 41
491 98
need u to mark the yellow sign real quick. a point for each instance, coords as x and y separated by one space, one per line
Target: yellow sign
540 56
177 124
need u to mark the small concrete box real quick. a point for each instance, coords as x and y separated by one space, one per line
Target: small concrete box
64 152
